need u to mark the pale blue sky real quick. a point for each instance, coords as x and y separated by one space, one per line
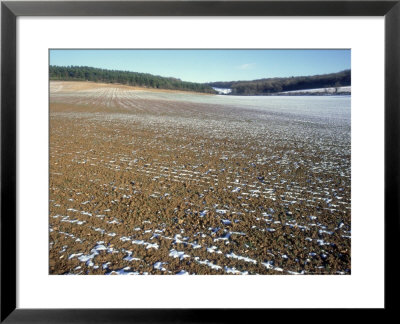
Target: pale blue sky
210 65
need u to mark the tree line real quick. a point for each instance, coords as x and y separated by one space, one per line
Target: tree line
266 86
85 73
274 85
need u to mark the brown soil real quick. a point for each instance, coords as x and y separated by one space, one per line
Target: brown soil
143 178
71 86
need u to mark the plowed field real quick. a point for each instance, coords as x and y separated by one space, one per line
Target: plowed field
162 182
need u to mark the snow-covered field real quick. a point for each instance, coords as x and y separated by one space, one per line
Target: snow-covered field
158 182
330 91
223 90
318 91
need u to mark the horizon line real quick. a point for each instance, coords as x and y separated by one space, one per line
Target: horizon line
241 80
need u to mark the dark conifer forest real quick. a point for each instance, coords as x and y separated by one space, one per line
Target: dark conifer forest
268 86
85 73
274 85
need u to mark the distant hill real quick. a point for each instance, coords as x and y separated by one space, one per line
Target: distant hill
85 73
268 86
275 85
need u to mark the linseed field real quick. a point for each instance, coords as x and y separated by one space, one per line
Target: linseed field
159 182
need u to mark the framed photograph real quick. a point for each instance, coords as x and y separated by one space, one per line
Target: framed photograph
186 161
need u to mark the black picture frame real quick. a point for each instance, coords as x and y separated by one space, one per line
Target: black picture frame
11 10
